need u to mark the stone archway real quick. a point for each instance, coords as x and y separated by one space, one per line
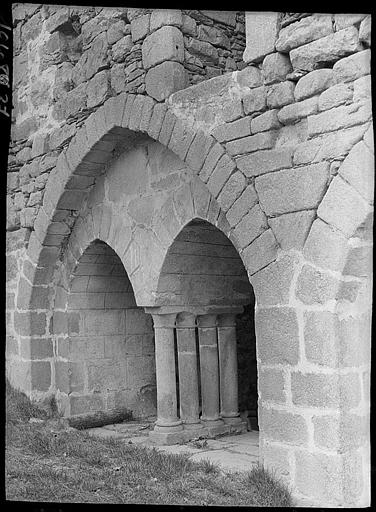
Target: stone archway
202 287
302 266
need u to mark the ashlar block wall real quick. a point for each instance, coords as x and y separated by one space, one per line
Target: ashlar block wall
279 156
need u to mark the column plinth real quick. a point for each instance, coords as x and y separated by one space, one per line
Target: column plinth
167 419
228 368
207 332
188 371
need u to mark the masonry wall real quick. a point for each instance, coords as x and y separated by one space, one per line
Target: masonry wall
279 156
70 60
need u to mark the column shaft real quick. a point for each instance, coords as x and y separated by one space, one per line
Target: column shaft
228 367
209 367
188 371
165 373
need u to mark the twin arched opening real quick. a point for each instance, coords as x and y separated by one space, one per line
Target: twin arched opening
106 343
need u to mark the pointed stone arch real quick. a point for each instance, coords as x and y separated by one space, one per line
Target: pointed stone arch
293 277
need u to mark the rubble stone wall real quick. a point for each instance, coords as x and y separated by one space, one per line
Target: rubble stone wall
279 156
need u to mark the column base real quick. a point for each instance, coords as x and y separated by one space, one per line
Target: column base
193 426
232 420
203 431
168 428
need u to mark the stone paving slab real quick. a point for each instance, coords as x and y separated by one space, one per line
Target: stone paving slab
231 452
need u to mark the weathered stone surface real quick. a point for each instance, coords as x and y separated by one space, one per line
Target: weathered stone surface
337 342
343 207
242 205
304 31
226 17
93 60
231 191
223 170
275 457
261 34
326 50
206 52
275 67
261 252
365 31
340 433
272 385
313 83
166 78
199 150
231 131
368 139
117 78
232 111
160 17
277 333
340 117
358 170
342 21
292 113
323 390
326 247
122 48
265 140
278 425
211 160
255 100
334 96
280 94
292 189
117 31
140 27
251 226
264 122
353 67
250 76
98 89
272 284
291 229
214 36
316 287
330 146
359 262
344 485
265 161
166 44
363 90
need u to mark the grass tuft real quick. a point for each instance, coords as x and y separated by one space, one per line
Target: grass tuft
268 488
19 407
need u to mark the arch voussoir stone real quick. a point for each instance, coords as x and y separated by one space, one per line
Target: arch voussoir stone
167 127
201 198
156 120
198 150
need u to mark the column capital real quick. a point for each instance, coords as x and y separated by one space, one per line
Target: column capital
207 320
163 321
186 320
227 320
